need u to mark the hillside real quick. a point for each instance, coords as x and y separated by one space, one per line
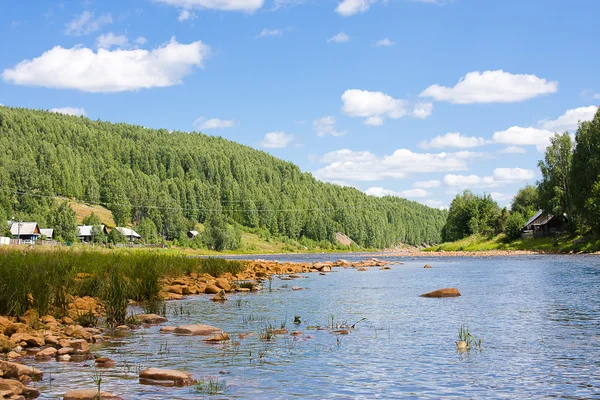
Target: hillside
169 181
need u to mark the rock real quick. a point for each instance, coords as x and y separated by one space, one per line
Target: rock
296 288
90 394
80 345
63 357
30 317
17 388
103 362
165 377
177 289
341 332
223 284
15 370
49 320
219 296
167 329
196 330
67 321
4 322
243 290
363 269
221 337
6 344
80 333
46 354
13 355
122 328
32 341
446 292
212 289
462 345
427 266
51 340
296 333
322 266
151 318
281 331
66 350
326 269
15 327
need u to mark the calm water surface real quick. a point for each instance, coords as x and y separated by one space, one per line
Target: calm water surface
538 316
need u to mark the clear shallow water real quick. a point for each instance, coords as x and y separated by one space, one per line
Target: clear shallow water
538 316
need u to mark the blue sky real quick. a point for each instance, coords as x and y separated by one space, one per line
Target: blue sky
415 98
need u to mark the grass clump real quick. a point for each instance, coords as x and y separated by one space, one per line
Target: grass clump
466 341
211 386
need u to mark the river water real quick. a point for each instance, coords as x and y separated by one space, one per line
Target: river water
538 318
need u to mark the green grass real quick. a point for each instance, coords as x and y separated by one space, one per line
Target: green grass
46 279
211 386
562 244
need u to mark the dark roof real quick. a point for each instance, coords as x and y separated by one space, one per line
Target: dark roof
537 214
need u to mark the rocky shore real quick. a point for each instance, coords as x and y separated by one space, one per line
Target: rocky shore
66 339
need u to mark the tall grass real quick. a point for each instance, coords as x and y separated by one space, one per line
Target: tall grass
46 280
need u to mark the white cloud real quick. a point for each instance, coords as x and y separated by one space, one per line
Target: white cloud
386 42
500 176
568 121
86 23
435 204
422 110
491 87
519 136
349 165
141 40
427 184
411 193
222 5
184 15
213 123
339 38
347 8
372 105
69 111
270 33
108 40
82 69
453 139
326 126
277 4
512 150
277 140
499 197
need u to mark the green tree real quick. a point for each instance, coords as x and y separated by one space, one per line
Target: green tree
526 201
64 222
92 219
514 225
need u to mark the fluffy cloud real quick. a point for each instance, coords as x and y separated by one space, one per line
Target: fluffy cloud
277 4
499 177
512 150
277 140
339 38
348 165
213 123
452 139
427 184
373 106
411 193
422 110
69 111
347 8
82 69
108 40
568 121
222 5
326 126
86 23
519 136
185 15
386 42
491 87
435 204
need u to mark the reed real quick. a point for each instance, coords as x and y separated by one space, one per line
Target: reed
211 386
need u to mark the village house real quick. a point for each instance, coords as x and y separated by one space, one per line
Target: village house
48 233
129 234
84 232
543 224
25 232
192 234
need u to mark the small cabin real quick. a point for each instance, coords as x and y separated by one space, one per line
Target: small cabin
25 232
192 234
129 233
84 232
543 224
48 233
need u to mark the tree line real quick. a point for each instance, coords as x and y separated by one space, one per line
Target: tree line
569 187
164 183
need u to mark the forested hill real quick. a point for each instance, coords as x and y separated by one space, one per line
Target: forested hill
172 180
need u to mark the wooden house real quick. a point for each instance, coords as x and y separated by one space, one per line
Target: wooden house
543 224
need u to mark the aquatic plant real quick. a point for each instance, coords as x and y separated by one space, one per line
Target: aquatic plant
466 341
211 386
158 307
96 376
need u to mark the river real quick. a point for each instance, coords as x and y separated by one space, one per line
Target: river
538 318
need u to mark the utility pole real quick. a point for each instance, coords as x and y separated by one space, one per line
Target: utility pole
19 230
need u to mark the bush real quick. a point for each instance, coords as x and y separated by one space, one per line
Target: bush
514 225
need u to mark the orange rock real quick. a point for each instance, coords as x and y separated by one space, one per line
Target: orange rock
196 330
446 292
165 377
221 337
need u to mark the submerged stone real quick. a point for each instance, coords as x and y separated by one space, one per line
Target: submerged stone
446 292
166 377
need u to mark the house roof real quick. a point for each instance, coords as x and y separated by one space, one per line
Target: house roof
128 232
86 230
194 233
537 214
26 228
48 232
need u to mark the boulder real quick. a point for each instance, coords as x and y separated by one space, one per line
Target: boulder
167 329
49 320
223 284
221 337
13 355
296 288
80 345
322 266
427 266
151 318
63 357
212 289
90 394
196 330
46 354
30 317
177 289
387 267
446 292
219 296
103 362
66 350
18 389
32 341
243 290
4 323
166 377
363 269
341 332
15 327
15 370
6 344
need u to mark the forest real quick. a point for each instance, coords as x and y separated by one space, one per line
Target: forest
164 183
569 187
